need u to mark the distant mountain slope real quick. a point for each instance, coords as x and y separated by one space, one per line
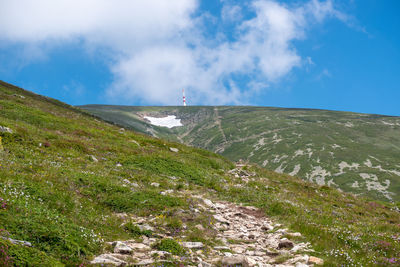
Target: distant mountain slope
357 153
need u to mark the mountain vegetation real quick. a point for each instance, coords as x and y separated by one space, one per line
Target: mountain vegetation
358 153
73 187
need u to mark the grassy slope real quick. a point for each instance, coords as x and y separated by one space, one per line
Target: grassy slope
55 196
271 137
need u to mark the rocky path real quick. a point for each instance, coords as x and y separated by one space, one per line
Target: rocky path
246 236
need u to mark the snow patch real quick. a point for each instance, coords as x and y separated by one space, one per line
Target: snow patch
169 121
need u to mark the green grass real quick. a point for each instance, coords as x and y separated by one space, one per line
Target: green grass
171 246
54 195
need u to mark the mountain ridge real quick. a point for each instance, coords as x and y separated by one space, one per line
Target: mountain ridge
369 166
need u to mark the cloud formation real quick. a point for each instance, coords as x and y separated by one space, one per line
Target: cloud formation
159 47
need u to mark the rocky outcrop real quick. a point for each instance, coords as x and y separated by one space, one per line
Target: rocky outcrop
4 129
247 236
110 259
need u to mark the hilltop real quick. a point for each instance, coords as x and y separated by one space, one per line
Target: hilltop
353 152
78 191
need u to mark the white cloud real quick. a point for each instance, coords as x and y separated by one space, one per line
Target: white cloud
231 13
159 47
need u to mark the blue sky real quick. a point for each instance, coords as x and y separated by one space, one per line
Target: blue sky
339 55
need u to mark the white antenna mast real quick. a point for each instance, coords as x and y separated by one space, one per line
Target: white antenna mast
184 98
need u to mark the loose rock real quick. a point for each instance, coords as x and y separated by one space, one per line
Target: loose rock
122 248
315 260
235 261
193 245
4 129
108 259
285 244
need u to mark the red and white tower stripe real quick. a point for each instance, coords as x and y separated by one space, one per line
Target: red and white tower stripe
184 98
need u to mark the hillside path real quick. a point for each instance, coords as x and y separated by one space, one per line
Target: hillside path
218 121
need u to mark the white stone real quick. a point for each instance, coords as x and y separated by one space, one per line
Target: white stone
108 259
221 219
220 206
173 149
251 261
208 203
195 245
122 248
139 247
4 129
315 260
144 262
155 184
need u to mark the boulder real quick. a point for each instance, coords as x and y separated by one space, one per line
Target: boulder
238 249
221 219
285 244
108 259
252 262
4 129
20 96
192 245
200 227
155 184
139 247
144 262
122 248
18 242
315 260
145 227
93 158
173 149
204 264
294 234
208 203
235 261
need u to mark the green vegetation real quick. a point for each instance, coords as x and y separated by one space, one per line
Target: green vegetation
66 177
135 231
171 246
354 152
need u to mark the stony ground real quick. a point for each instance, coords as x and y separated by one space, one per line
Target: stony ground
245 235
